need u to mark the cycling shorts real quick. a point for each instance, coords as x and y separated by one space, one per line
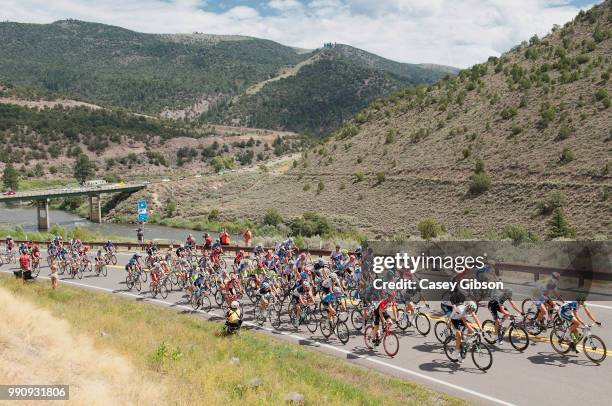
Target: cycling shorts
386 315
494 308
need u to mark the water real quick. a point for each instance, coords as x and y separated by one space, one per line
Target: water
25 217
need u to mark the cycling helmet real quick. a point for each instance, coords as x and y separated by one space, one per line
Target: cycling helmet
108 241
358 250
470 305
581 297
303 255
235 304
304 275
265 285
556 275
334 276
234 277
306 284
337 247
336 289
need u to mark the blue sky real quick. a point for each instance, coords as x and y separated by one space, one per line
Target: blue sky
450 32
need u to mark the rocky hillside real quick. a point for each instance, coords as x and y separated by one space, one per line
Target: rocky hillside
491 152
184 76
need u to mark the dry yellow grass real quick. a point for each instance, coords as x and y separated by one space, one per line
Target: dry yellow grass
39 348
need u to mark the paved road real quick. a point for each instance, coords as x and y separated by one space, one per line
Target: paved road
538 375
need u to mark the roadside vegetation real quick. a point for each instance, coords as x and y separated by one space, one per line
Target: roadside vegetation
189 355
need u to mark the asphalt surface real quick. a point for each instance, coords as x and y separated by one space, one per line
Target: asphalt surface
537 376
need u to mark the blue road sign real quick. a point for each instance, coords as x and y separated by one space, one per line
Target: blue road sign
142 217
142 204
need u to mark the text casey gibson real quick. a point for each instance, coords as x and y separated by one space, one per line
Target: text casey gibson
413 263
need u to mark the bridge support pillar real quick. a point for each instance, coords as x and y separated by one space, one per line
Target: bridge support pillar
95 209
42 210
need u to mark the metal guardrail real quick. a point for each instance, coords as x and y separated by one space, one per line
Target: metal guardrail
41 194
536 271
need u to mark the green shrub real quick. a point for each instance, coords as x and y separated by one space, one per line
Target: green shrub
272 217
516 233
390 137
359 176
310 224
601 94
380 177
567 155
466 152
552 201
306 187
480 166
516 129
214 215
429 228
479 183
320 186
564 132
508 112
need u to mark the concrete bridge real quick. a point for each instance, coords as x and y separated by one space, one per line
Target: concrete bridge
42 197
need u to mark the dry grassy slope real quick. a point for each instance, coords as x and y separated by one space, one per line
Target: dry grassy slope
429 177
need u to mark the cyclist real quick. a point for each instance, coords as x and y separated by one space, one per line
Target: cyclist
264 293
109 247
459 319
497 305
35 255
99 258
569 312
381 313
543 292
190 242
10 244
133 263
301 295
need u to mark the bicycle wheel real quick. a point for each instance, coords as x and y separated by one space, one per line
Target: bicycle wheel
137 284
593 346
80 272
164 289
205 303
114 259
441 331
489 332
391 344
482 356
218 298
49 260
357 319
129 282
533 327
61 269
561 345
368 337
326 327
103 270
276 319
153 289
310 321
35 271
529 306
143 276
450 349
422 324
342 332
196 302
402 319
519 338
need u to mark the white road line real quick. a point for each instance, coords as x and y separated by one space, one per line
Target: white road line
298 337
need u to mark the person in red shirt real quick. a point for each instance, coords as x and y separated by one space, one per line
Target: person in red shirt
224 237
24 264
208 240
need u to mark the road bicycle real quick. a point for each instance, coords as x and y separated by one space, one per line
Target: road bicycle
472 343
162 287
389 339
593 347
517 334
110 258
307 317
272 312
100 268
358 320
328 327
417 319
199 300
442 330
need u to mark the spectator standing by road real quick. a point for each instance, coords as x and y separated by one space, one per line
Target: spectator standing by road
140 235
224 237
247 236
24 264
53 269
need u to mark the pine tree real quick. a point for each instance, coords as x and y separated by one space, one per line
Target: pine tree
84 168
10 177
559 226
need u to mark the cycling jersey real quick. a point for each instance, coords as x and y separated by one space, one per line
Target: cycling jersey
567 309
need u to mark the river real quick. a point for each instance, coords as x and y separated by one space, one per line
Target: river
25 217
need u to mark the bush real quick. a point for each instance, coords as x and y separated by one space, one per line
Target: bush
516 129
214 215
429 228
480 166
567 155
320 186
310 224
559 226
601 94
553 201
466 152
380 177
564 132
479 183
390 137
272 217
359 176
306 187
516 233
